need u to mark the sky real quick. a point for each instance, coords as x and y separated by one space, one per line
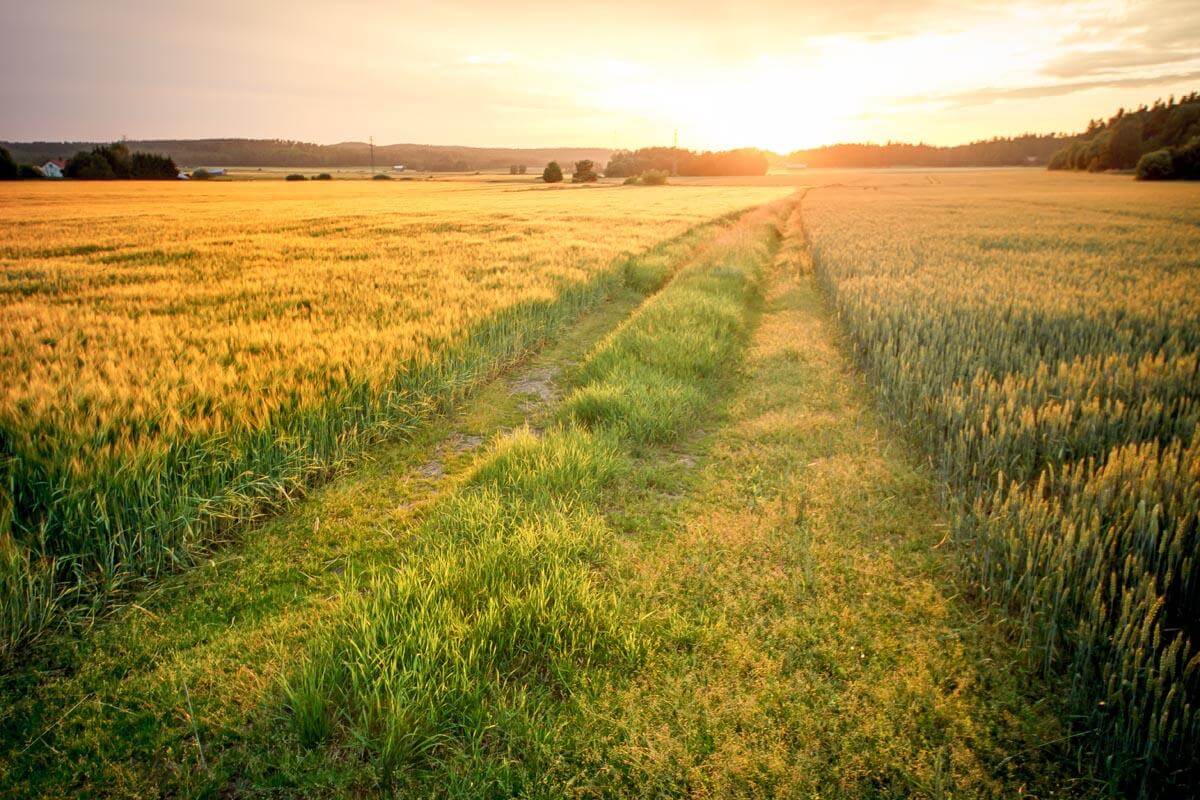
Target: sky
778 74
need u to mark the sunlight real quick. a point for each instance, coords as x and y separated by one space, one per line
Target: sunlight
827 88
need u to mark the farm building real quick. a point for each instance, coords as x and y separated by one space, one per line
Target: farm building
399 168
54 168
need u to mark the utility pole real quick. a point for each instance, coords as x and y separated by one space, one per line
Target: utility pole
371 139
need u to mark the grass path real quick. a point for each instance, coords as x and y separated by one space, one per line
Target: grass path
812 643
460 669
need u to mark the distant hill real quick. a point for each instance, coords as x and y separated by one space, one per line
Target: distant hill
1026 150
1116 143
284 153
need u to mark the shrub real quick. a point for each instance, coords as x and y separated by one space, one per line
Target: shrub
552 173
585 172
654 177
1155 166
87 166
8 167
381 177
29 172
201 174
630 181
148 166
324 176
1185 160
296 176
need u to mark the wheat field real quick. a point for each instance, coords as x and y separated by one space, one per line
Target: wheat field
1041 341
696 563
179 358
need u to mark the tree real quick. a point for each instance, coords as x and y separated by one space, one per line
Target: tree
89 166
585 172
118 158
552 173
1098 153
1060 160
8 167
148 166
1125 146
1185 160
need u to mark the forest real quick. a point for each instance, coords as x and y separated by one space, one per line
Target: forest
1028 149
1161 141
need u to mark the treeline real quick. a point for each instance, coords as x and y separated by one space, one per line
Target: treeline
286 153
678 161
1025 150
102 162
1161 141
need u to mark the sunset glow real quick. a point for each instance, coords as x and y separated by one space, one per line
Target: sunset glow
771 74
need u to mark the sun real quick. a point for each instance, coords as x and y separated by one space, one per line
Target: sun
771 104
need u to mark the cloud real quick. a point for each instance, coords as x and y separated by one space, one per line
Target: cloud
1035 92
1105 62
1129 41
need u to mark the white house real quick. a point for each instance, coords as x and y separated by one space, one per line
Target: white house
54 168
399 168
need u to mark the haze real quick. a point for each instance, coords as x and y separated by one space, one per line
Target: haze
779 74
